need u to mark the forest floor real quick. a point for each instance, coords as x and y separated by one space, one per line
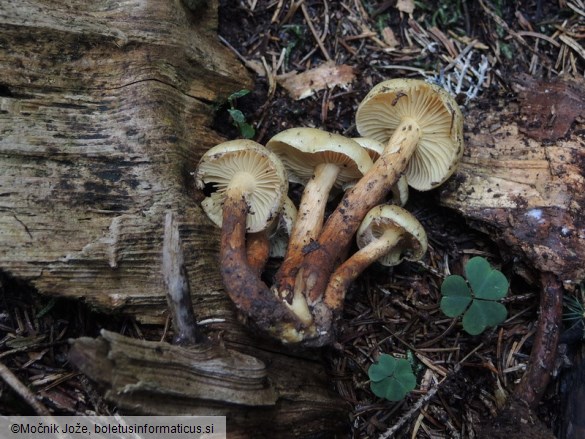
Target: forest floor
345 47
313 62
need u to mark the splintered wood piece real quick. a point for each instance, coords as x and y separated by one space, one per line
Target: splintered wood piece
207 379
137 370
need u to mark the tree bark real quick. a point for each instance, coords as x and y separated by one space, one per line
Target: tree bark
522 177
105 109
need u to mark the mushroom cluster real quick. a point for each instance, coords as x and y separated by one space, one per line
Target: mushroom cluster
412 135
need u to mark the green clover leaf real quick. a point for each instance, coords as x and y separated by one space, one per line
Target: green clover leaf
486 282
391 378
238 94
475 298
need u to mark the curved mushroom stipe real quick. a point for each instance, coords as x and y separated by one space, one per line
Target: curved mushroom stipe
342 224
388 234
251 296
347 272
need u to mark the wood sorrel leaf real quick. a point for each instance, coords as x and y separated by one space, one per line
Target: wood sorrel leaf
481 314
456 296
486 282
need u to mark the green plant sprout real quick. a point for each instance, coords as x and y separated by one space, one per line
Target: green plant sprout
391 378
238 119
477 297
574 306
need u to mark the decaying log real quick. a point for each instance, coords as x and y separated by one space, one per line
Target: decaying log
525 193
137 370
206 380
145 377
105 109
104 112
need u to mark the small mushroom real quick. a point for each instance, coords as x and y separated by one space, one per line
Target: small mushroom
416 120
321 160
388 234
250 185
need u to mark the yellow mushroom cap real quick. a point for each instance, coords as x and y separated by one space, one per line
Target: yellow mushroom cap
412 242
303 149
372 146
438 115
262 168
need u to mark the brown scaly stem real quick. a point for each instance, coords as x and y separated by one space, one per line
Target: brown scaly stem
252 297
347 272
307 225
257 251
341 226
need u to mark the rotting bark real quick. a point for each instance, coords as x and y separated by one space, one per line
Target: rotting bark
526 194
105 110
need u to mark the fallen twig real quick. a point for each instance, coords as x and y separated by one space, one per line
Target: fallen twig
29 397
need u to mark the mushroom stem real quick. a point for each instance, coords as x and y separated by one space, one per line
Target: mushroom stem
345 220
308 223
347 272
257 250
243 285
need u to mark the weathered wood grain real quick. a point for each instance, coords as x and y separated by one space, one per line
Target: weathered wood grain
210 380
105 109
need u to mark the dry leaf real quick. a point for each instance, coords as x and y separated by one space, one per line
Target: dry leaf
327 75
389 37
406 6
